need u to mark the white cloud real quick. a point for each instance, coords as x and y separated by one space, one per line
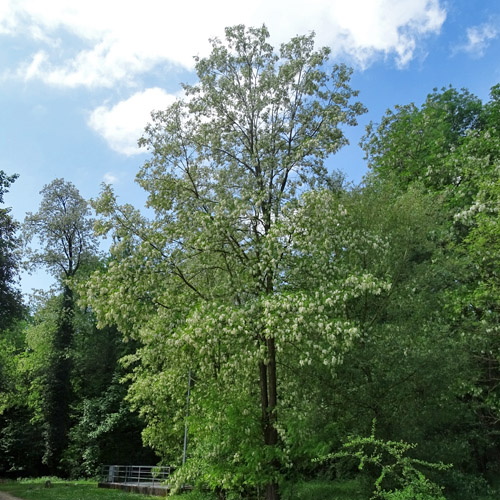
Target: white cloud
120 40
123 124
32 69
479 38
365 29
110 178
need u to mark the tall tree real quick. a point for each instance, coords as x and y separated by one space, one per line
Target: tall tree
250 136
63 230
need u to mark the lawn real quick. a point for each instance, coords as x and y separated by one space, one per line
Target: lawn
35 489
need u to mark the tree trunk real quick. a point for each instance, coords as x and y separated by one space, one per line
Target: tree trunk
58 396
272 492
268 391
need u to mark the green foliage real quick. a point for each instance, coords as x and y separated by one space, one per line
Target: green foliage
450 146
195 495
21 443
5 182
105 431
464 486
207 285
101 426
413 144
64 371
62 228
419 489
399 475
11 307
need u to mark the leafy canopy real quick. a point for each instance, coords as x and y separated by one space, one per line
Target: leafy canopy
206 283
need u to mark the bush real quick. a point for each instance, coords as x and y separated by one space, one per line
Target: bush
399 475
418 489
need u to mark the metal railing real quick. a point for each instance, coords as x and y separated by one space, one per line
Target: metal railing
150 475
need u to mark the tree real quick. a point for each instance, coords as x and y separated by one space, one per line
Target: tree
11 307
12 311
5 182
413 143
104 430
204 280
450 145
63 229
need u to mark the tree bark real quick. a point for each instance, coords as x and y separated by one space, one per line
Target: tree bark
58 396
268 387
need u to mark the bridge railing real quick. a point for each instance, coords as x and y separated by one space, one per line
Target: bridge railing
135 474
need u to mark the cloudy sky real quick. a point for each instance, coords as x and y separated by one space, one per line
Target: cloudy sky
78 79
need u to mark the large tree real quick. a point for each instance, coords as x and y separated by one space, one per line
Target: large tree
204 282
62 227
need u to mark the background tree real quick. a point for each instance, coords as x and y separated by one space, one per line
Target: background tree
15 444
414 143
11 306
450 145
10 297
250 136
104 428
62 227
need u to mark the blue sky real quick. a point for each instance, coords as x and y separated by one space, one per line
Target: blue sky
78 79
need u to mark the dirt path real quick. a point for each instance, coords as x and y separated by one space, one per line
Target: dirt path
7 496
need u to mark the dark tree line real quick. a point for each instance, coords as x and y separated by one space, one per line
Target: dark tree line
64 410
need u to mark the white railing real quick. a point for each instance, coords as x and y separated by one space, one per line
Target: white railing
150 475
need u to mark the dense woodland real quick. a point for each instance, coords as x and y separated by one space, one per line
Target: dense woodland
318 325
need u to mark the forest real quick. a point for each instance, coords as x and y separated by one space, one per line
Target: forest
324 331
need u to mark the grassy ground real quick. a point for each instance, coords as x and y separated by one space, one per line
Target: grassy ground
34 489
325 490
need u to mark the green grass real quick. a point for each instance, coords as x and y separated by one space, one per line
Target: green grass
34 489
325 490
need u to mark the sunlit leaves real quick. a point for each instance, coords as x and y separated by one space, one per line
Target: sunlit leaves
211 284
63 229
